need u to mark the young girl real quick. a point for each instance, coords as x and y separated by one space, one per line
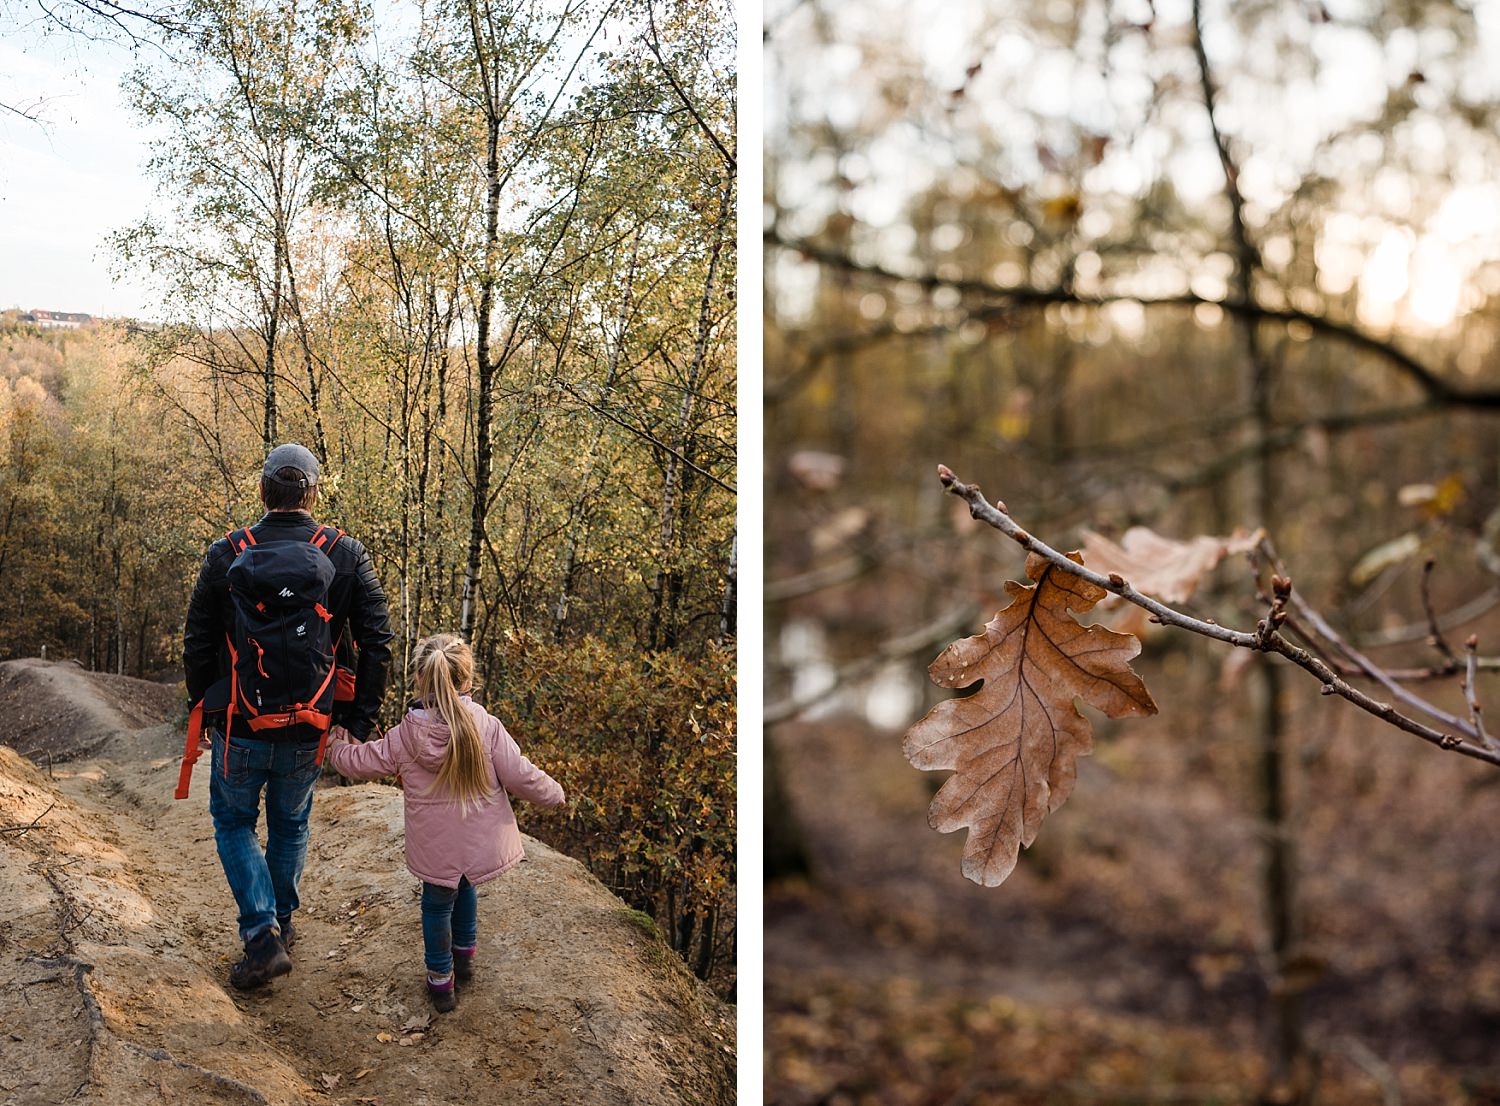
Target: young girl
457 763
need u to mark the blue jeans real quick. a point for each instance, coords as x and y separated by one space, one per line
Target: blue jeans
450 916
264 883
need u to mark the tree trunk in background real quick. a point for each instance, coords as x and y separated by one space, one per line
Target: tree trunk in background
268 368
704 965
1287 1081
667 591
785 853
320 438
585 495
486 368
729 612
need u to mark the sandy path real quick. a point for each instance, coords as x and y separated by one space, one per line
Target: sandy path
575 1001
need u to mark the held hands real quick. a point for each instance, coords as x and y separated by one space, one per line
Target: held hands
339 735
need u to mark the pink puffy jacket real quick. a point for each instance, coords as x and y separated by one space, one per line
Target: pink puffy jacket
441 843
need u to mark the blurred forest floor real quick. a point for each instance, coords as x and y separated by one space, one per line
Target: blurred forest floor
1122 962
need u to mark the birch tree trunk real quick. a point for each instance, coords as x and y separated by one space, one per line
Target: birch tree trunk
666 591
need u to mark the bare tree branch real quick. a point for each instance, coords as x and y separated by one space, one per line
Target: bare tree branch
1471 696
682 95
1266 638
1438 390
904 645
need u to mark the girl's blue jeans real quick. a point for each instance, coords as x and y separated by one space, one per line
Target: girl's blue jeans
264 883
450 916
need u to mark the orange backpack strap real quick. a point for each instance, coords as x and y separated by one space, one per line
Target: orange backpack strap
239 540
325 538
191 753
234 691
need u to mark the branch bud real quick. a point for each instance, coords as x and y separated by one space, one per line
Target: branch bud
1116 579
1281 586
945 474
1001 507
1472 642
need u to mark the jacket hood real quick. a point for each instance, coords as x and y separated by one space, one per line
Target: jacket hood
430 734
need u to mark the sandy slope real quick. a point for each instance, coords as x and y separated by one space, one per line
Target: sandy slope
119 930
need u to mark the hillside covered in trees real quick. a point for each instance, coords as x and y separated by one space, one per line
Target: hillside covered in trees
480 259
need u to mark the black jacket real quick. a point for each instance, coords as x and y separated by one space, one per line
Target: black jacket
355 599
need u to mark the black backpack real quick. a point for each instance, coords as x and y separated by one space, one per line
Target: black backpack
283 678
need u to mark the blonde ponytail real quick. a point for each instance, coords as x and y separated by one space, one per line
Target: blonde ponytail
444 670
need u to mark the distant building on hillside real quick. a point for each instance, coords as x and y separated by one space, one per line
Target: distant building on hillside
57 320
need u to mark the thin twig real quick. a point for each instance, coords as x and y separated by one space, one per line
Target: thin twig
1405 635
687 102
1424 674
21 831
819 579
912 642
1365 1059
1471 695
1376 673
1268 639
1437 390
1439 642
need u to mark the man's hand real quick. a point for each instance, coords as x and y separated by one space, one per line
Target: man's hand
338 733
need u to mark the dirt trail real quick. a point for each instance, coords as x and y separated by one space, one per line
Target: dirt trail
113 960
58 710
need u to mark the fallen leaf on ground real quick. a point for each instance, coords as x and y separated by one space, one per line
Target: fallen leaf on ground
385 1038
417 1023
1014 744
330 1081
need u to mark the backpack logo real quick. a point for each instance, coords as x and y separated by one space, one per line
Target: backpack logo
302 629
285 593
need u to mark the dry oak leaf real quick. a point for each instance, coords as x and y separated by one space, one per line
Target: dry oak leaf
1168 569
1013 745
1162 567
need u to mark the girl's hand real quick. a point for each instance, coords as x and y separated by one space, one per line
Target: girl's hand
340 736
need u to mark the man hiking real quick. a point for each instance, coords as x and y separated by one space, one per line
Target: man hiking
273 604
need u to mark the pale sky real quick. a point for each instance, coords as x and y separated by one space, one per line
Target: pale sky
66 183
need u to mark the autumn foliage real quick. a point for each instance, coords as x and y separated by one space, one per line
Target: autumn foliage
646 743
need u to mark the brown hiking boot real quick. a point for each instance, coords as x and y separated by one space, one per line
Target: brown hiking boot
264 960
463 964
444 997
288 933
